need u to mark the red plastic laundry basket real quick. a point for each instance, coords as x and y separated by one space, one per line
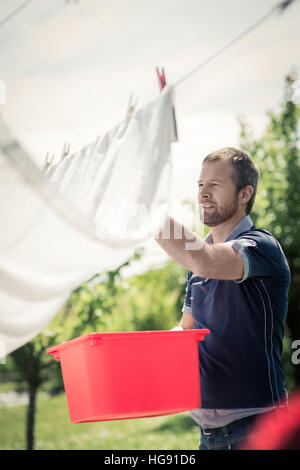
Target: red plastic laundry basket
110 376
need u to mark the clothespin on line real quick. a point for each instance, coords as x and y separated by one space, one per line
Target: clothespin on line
47 162
162 83
161 78
65 151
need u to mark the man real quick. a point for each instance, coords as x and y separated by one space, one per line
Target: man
237 286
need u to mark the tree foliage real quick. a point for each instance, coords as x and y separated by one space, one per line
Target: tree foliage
277 208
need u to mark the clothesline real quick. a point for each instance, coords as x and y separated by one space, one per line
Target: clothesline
14 12
279 7
232 42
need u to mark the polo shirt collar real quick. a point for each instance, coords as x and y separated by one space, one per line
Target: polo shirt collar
244 225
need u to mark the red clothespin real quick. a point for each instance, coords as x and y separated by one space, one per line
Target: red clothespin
162 83
161 79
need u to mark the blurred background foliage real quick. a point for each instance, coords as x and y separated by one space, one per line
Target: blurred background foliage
277 206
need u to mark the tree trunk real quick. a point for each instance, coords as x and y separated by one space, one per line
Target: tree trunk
30 417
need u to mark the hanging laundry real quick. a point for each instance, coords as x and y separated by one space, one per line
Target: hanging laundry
89 213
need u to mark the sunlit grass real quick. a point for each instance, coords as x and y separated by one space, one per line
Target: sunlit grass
54 431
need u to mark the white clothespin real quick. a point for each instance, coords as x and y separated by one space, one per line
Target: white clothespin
47 162
65 151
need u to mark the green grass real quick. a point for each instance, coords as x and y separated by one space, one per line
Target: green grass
54 431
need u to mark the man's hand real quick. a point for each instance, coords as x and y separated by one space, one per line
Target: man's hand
186 323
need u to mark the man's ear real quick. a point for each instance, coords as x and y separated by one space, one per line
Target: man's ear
246 193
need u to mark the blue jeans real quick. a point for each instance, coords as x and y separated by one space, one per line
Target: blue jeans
228 437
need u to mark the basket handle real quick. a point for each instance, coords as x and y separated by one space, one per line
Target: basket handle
200 334
54 351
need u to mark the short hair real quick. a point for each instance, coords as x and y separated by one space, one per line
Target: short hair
245 171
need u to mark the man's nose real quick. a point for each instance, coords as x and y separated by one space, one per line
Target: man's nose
203 193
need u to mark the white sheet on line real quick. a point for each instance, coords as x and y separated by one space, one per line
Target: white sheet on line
85 215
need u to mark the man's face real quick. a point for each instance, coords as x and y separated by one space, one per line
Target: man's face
217 195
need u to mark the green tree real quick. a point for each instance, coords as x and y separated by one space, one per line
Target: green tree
33 371
277 208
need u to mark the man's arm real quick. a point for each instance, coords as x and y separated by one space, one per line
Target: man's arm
217 261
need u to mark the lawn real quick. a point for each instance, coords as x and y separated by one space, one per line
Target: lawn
54 431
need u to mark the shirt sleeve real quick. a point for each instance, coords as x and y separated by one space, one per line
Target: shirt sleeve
187 305
262 256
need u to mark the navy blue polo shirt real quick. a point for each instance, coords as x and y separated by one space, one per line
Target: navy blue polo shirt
240 364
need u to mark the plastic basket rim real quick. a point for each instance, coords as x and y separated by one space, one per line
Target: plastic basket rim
197 332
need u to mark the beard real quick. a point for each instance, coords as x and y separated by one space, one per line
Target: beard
218 216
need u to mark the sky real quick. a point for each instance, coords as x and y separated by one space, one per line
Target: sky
69 69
